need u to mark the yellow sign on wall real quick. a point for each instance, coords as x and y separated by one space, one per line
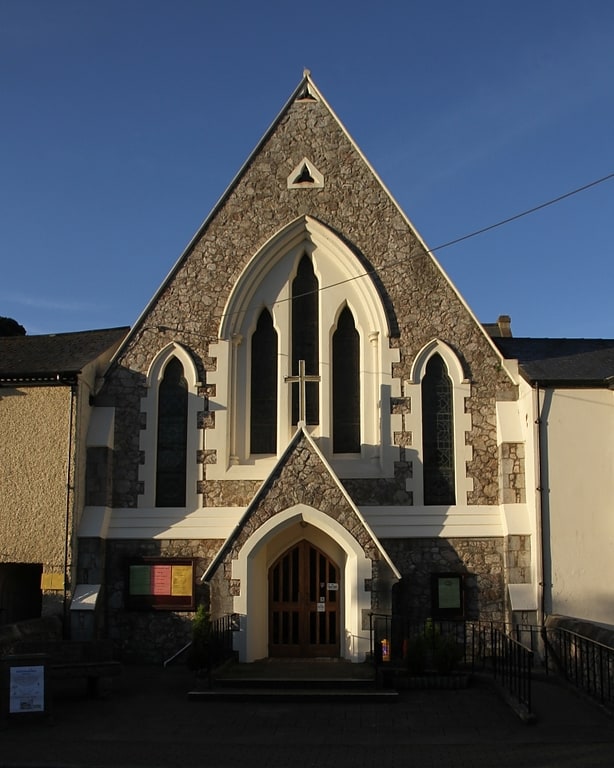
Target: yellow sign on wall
182 580
52 581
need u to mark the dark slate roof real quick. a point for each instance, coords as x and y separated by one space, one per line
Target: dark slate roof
58 356
563 362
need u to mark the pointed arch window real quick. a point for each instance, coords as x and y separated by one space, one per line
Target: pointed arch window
346 385
172 437
263 400
438 434
305 335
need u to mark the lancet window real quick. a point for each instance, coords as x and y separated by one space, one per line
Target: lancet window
346 385
438 434
263 406
171 437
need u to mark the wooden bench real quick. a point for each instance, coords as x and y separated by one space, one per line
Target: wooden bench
65 660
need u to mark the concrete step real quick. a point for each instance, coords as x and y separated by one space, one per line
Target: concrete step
289 683
274 692
293 680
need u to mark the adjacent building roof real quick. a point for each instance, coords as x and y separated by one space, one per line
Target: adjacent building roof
61 356
55 357
562 362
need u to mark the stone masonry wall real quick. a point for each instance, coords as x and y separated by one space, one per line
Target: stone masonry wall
512 473
151 636
99 477
518 559
481 561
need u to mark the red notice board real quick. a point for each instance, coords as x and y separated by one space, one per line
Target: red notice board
163 584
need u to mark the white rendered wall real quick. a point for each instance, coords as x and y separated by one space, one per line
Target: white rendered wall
578 479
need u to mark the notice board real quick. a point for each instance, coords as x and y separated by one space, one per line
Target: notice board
165 584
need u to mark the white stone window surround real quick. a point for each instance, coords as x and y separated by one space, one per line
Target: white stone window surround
266 282
148 436
461 389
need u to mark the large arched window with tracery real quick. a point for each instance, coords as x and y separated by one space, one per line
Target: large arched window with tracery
171 437
438 434
306 279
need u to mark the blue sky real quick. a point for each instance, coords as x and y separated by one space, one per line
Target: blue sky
124 121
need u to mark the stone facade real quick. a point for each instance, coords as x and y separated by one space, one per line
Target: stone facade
419 307
420 302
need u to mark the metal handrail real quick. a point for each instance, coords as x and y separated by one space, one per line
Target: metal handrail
512 666
176 655
585 663
220 641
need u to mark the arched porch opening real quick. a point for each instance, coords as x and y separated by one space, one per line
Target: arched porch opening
267 547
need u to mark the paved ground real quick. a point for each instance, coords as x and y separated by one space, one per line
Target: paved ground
148 721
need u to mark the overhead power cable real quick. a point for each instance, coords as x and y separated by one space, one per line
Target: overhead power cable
468 236
457 240
524 213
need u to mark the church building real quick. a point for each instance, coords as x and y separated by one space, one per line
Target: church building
308 428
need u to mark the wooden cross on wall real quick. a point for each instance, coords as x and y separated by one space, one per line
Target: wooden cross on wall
302 380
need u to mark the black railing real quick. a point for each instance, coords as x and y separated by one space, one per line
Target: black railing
585 663
221 638
532 637
441 645
219 645
512 664
397 639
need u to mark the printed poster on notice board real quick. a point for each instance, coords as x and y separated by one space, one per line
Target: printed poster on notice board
27 689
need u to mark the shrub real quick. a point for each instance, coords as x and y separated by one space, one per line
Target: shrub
432 650
417 655
199 653
446 654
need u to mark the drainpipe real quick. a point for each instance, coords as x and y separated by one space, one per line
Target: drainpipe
539 492
67 521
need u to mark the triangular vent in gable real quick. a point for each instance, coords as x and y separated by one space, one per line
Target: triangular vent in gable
305 93
305 176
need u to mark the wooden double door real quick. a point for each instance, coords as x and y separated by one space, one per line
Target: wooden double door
304 603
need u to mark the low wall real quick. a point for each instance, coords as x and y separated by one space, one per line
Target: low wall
596 632
46 629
